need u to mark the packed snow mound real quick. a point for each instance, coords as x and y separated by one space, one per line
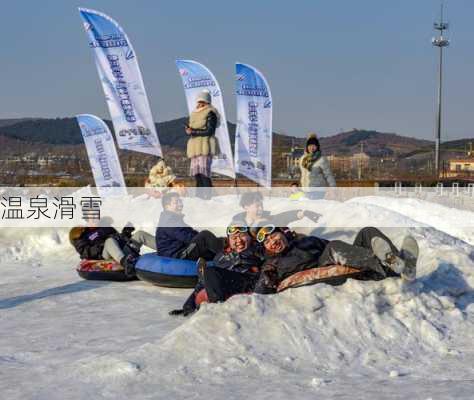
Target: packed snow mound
117 341
34 245
377 326
456 222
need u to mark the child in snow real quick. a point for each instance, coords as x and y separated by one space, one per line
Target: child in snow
295 192
160 176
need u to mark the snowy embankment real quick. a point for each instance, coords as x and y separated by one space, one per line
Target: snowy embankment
80 340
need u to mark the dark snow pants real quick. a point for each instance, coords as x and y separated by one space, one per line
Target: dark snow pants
221 283
359 255
207 246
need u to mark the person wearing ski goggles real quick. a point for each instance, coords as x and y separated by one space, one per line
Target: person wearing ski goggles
236 270
274 239
372 253
238 238
285 253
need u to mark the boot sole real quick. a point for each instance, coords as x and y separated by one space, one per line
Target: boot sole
409 252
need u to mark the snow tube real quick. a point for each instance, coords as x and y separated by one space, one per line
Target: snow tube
168 272
102 270
331 274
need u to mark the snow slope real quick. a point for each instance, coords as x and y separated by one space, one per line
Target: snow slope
459 223
62 337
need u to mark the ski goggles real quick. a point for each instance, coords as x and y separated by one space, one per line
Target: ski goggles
231 230
264 231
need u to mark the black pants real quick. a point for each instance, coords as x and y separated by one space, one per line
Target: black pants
359 255
207 246
205 185
202 180
221 283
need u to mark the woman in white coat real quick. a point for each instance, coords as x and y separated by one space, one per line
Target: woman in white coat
315 169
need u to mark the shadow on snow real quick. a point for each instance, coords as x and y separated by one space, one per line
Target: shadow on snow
55 291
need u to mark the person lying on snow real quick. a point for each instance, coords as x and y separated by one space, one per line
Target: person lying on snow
372 253
236 270
97 242
176 239
254 214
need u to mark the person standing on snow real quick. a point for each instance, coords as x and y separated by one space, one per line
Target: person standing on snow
202 144
315 169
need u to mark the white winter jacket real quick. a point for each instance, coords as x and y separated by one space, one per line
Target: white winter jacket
320 174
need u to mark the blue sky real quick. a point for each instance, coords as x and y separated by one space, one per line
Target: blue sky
332 65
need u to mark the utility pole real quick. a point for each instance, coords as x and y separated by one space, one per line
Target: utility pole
441 43
360 160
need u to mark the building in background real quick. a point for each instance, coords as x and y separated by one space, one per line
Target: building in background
463 167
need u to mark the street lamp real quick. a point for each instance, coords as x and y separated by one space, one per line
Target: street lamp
441 43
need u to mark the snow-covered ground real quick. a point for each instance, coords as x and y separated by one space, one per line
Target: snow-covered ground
65 338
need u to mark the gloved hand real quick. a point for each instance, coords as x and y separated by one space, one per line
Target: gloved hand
313 216
182 311
127 231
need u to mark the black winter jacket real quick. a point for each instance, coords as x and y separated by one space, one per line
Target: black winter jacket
172 235
303 253
247 261
90 243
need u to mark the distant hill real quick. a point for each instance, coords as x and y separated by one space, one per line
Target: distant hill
11 121
65 132
373 143
10 146
59 131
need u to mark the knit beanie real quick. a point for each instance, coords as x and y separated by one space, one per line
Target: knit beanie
312 139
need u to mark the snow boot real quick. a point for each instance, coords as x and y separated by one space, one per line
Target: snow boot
189 306
128 263
176 312
384 253
409 253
